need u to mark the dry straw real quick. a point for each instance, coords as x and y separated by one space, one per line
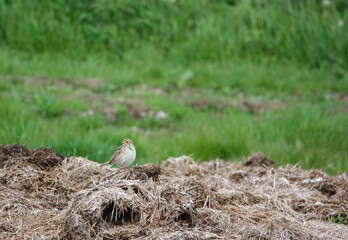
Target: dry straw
44 195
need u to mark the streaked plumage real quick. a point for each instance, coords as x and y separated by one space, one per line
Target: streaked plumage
124 155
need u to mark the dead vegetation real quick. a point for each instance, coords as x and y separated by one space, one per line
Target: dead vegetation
47 196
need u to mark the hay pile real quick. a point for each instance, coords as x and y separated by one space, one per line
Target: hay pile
46 196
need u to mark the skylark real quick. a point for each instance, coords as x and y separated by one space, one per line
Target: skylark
124 155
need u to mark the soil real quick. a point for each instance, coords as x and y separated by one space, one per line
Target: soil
258 159
341 97
254 107
45 158
44 195
258 107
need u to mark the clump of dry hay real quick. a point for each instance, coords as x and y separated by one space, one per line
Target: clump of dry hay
48 196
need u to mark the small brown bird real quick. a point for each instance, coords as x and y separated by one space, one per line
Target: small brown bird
124 155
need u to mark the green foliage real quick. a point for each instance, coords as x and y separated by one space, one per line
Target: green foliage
71 73
340 218
307 127
307 32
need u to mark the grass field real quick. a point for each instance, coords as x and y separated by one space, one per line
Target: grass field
216 79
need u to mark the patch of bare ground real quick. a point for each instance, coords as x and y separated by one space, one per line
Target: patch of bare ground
211 101
341 97
73 198
255 107
343 107
106 104
63 82
136 110
258 107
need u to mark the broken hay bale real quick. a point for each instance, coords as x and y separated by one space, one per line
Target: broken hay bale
131 232
142 173
122 203
237 176
95 209
248 223
215 221
327 189
183 165
179 163
192 234
35 178
23 214
80 173
230 197
45 158
187 215
211 200
258 160
191 189
214 165
14 201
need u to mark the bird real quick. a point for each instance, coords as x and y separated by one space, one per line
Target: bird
124 155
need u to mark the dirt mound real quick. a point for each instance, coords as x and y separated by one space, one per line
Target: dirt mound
259 160
44 158
181 199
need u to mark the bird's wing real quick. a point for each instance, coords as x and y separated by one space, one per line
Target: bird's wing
114 156
117 153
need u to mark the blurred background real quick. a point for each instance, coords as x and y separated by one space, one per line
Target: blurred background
212 78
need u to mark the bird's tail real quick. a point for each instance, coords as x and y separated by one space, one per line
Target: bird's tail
101 165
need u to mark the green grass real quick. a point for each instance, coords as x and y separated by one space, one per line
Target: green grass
306 32
67 68
306 126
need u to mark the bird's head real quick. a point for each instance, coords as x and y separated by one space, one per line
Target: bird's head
127 141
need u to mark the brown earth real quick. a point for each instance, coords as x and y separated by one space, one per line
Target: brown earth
254 107
86 91
44 195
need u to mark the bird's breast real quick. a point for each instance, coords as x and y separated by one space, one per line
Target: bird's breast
127 157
